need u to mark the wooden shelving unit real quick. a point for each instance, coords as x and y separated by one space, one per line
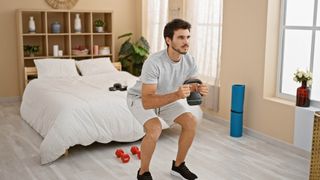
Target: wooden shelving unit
67 39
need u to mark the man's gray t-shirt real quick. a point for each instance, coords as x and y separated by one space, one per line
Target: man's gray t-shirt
168 75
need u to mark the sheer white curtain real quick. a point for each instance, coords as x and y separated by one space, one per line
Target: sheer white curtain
157 17
205 17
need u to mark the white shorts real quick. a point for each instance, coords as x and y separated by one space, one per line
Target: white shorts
167 114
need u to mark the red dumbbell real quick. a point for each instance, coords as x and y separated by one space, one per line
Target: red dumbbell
135 151
124 157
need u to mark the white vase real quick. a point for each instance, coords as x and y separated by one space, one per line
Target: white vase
77 24
32 25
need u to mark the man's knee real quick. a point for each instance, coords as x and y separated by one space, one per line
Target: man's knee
187 121
153 129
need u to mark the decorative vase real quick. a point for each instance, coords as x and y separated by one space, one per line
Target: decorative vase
303 95
32 25
55 27
77 24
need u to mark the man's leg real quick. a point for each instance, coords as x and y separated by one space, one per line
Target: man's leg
153 130
188 124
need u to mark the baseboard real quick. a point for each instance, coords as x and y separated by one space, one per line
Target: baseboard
10 99
253 133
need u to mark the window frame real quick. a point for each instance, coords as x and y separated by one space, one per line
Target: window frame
282 28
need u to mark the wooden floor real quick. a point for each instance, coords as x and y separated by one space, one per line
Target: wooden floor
214 155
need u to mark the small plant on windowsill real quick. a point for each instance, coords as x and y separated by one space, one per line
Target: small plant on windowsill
31 50
303 92
303 77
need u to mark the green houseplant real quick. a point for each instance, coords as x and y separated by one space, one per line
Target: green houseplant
133 54
99 24
31 50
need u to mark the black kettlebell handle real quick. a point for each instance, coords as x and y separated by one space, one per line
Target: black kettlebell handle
195 97
190 81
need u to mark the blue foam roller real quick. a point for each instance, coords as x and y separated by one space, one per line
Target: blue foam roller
237 98
236 124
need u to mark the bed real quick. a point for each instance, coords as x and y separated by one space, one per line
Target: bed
73 110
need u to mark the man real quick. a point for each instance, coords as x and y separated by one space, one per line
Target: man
155 96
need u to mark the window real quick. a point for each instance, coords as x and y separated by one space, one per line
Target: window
300 46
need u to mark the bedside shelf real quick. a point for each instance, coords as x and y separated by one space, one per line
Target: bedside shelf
67 39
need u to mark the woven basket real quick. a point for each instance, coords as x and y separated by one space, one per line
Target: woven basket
80 52
62 4
315 154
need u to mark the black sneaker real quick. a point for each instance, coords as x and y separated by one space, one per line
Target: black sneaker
182 171
144 176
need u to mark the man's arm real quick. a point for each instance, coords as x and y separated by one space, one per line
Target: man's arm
151 100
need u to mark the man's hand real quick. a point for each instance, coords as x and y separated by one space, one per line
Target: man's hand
183 91
203 89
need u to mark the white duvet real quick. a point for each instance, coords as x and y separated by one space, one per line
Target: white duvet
81 110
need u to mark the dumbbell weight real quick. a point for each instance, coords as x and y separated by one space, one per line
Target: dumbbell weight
123 156
135 151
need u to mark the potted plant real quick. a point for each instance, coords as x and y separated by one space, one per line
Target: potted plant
99 24
303 92
133 54
31 50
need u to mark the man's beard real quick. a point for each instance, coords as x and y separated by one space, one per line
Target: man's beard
180 52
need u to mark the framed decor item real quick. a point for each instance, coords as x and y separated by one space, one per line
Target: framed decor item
62 4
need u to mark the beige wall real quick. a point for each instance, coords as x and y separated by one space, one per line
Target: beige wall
125 20
244 57
244 60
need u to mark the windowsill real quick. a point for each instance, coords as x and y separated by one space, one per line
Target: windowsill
291 103
280 100
310 108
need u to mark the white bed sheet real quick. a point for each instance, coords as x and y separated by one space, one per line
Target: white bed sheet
81 110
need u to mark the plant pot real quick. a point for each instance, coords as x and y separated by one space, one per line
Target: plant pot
99 29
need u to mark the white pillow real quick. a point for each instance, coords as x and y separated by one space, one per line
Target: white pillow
56 68
95 66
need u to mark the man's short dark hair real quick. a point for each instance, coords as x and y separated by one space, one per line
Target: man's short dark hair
174 25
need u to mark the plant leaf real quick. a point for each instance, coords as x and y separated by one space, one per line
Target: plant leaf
126 49
124 35
139 50
142 42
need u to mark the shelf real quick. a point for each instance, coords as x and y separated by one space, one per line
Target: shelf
61 41
80 34
33 34
35 41
76 56
85 19
100 55
45 36
101 34
81 41
58 34
103 40
35 57
39 19
61 18
105 17
58 57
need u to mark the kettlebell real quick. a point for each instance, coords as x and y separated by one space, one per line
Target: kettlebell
195 98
